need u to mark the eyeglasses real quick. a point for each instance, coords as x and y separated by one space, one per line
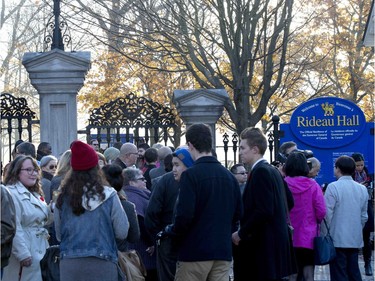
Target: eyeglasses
52 167
96 144
242 173
141 179
31 171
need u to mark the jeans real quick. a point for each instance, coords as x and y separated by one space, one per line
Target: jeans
345 266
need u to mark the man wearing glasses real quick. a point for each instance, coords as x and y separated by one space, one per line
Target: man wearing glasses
240 173
95 144
128 156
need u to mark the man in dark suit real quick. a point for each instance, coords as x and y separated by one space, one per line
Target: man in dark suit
263 248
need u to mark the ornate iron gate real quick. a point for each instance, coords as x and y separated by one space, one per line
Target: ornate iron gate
17 117
231 149
138 118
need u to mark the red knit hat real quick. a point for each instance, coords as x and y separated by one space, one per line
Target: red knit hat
83 157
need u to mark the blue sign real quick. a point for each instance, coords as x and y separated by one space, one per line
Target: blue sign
328 122
330 133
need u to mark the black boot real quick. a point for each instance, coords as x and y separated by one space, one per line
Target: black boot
368 269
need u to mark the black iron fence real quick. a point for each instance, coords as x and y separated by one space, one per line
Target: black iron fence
131 118
16 120
231 144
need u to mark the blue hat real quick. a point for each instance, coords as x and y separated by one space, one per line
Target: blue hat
184 155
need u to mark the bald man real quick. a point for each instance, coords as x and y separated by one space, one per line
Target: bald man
128 155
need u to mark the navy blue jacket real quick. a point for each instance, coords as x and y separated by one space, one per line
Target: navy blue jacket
209 205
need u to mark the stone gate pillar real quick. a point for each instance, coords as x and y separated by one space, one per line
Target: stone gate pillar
201 106
57 76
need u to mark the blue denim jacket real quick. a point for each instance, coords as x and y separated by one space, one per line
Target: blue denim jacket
89 234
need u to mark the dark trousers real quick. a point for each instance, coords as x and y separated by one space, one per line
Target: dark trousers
345 266
367 247
369 227
243 266
166 259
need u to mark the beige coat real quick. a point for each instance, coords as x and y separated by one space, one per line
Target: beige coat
31 237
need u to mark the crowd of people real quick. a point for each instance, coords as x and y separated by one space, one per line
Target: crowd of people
188 217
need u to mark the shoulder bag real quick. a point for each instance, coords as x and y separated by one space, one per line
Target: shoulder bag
132 266
324 250
50 264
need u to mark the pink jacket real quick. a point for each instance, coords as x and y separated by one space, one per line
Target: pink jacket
309 210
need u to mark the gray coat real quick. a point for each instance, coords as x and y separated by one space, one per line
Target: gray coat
346 202
157 172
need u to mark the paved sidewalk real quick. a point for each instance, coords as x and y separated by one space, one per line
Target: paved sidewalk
322 272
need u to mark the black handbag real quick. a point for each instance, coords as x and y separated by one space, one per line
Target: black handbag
324 250
50 264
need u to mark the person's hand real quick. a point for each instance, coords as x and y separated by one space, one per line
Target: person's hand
26 262
161 235
150 250
51 206
236 238
168 230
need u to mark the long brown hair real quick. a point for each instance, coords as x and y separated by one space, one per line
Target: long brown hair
12 174
74 183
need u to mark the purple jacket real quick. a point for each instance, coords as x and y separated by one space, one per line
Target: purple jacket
309 210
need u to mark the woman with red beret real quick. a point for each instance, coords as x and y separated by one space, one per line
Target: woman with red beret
88 220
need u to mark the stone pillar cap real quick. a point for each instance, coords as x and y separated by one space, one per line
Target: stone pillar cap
200 97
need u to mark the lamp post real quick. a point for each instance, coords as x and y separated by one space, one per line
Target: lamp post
57 41
276 134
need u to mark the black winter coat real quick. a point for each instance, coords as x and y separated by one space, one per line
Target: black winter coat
159 212
265 249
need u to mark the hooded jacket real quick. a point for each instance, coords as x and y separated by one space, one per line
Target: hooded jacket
93 233
309 210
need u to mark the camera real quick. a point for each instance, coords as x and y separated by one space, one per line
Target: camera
282 157
308 153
